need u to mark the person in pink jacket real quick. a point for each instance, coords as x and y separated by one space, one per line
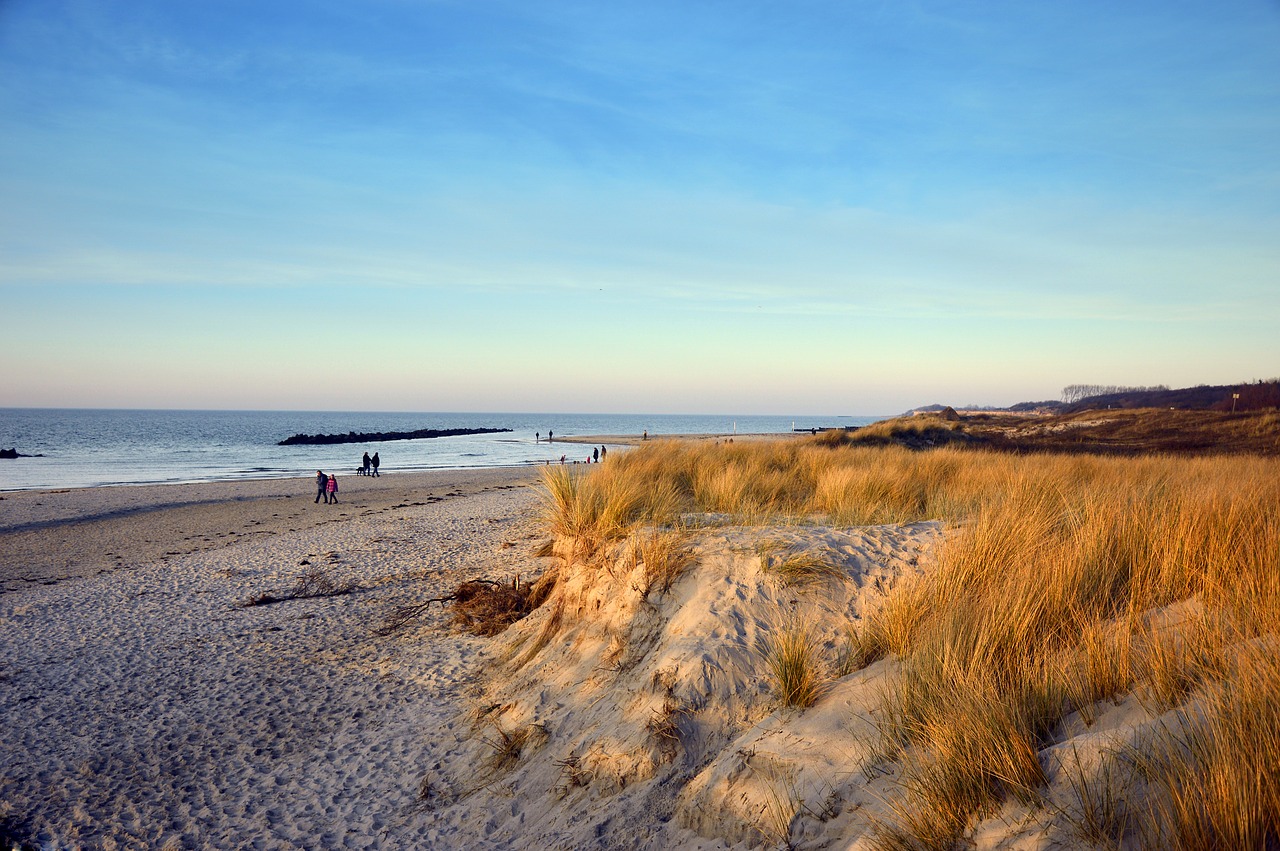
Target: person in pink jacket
332 487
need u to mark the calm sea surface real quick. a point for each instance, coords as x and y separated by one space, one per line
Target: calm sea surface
91 448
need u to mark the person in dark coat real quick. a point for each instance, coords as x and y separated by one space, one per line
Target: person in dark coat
322 482
375 462
366 464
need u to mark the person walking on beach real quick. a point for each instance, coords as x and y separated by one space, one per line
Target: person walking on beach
375 462
332 489
322 482
595 455
367 462
603 450
550 435
537 437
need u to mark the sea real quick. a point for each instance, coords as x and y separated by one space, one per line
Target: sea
83 448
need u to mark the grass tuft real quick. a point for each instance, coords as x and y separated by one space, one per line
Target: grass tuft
665 556
802 568
794 659
507 746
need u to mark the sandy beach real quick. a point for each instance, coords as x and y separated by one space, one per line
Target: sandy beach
143 706
53 535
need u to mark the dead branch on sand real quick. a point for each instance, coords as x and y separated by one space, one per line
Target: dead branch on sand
480 606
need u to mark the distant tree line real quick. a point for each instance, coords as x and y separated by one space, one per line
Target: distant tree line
1075 392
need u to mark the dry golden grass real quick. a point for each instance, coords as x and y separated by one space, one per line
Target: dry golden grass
1217 780
797 568
664 554
1064 580
1040 603
793 656
757 482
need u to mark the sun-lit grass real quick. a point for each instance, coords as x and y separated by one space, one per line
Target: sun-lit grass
665 556
797 568
1217 779
1063 580
792 652
1040 605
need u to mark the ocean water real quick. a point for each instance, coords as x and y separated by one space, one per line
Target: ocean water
94 447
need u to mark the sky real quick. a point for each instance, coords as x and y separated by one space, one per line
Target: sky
847 208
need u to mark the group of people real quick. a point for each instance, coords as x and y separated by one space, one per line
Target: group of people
327 484
326 487
368 466
597 455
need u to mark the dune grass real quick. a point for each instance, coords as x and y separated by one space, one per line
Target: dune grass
664 554
1043 602
793 655
1064 580
759 483
797 568
1217 780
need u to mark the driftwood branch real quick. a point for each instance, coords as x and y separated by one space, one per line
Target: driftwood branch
311 584
401 616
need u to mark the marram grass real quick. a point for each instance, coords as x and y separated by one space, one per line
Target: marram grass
1063 581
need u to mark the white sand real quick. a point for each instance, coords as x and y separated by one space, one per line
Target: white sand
142 708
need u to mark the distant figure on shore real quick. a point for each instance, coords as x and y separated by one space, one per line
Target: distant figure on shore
375 463
366 463
332 490
537 437
603 450
561 457
646 435
550 435
322 482
595 454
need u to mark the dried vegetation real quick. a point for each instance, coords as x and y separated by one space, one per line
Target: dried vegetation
1067 580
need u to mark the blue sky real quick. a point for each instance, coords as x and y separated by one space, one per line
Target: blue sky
813 207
